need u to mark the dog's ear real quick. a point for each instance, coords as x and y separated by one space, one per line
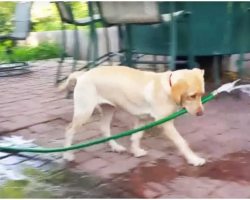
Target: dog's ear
200 71
178 90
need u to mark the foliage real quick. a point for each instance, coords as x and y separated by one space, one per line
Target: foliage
13 189
44 15
47 18
6 14
45 50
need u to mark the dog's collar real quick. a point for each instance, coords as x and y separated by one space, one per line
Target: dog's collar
170 83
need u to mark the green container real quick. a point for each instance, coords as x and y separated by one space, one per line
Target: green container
211 28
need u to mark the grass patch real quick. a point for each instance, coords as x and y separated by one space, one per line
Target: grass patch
45 50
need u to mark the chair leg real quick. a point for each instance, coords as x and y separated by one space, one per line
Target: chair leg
128 41
240 65
76 49
95 47
89 50
63 54
216 69
121 44
191 62
92 49
191 59
244 37
155 62
94 38
165 60
173 37
106 33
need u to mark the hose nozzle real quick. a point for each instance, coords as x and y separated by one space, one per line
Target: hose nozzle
229 87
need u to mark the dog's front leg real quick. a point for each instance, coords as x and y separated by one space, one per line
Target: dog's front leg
136 139
171 132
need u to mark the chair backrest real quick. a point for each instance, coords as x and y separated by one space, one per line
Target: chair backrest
129 12
65 12
21 20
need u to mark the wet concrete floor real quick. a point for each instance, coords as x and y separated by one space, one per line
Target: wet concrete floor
159 175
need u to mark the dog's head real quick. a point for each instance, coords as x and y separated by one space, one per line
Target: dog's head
188 89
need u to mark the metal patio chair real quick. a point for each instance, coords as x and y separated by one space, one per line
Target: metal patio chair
67 17
21 24
127 15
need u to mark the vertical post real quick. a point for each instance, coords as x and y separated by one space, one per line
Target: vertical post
62 56
107 44
76 50
106 34
155 61
89 49
64 41
121 43
173 36
247 30
93 33
128 41
190 37
242 42
216 69
165 59
227 39
240 64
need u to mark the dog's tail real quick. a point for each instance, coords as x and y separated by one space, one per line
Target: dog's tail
70 82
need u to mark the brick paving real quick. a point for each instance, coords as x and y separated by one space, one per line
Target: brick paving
30 106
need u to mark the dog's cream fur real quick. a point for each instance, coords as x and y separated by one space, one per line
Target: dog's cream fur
142 94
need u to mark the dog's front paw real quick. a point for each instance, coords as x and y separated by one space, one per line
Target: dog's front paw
117 148
68 156
138 152
196 160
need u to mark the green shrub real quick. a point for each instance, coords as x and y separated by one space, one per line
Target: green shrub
50 19
6 14
44 17
45 50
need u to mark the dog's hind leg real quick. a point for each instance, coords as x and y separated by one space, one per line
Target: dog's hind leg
108 113
83 109
77 122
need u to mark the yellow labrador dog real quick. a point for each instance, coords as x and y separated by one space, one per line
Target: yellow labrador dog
142 94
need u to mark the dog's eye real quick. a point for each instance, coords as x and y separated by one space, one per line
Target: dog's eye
193 96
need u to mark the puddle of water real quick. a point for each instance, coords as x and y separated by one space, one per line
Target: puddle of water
62 184
137 179
51 183
154 172
31 186
31 175
234 167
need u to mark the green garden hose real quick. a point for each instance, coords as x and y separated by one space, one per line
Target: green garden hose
102 140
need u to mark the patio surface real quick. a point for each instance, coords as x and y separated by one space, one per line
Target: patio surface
30 106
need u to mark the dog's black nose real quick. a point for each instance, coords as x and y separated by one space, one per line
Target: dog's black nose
199 113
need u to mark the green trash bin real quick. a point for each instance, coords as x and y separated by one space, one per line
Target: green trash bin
216 30
211 29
